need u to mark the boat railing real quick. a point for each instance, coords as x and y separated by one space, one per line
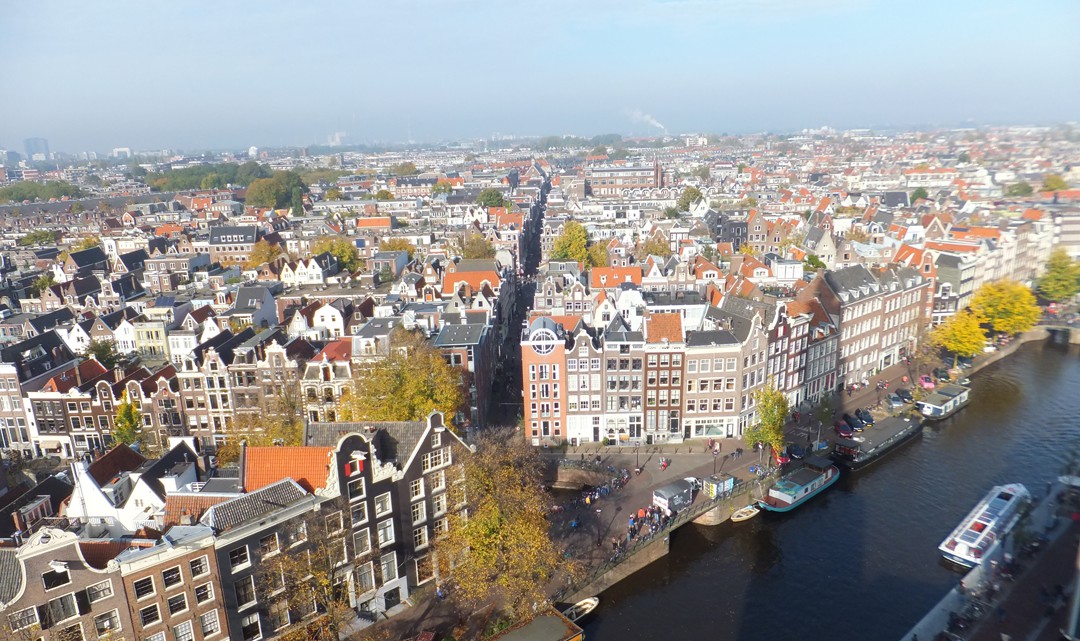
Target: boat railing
647 537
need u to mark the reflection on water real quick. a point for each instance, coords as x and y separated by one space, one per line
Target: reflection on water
865 550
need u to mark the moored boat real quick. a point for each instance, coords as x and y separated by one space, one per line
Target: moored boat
986 525
578 611
800 485
944 402
744 514
873 444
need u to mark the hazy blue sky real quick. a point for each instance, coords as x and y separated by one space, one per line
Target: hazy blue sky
97 75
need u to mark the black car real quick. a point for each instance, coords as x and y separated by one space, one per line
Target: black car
854 423
905 395
942 374
796 451
865 416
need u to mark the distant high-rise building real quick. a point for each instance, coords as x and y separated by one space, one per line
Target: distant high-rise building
253 152
36 148
121 152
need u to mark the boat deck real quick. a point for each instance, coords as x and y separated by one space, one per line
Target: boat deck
874 437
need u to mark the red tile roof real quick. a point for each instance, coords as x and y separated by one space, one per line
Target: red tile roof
193 505
97 554
264 466
660 327
339 350
602 277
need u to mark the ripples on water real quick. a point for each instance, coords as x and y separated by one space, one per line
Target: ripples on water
860 561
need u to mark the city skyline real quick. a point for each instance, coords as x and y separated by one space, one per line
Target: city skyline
132 75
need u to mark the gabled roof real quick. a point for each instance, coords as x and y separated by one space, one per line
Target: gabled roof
611 277
119 459
263 466
249 507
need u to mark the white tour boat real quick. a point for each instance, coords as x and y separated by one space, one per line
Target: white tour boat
974 539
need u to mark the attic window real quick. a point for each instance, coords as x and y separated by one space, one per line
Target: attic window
55 578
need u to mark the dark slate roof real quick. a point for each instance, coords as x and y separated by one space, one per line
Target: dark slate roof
395 441
89 257
248 234
716 337
851 280
689 297
460 335
249 297
57 489
249 507
37 355
134 259
49 320
813 237
895 199
11 576
378 327
328 434
182 453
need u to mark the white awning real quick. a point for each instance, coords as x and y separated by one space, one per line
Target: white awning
49 444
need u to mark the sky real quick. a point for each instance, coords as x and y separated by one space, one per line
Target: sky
203 74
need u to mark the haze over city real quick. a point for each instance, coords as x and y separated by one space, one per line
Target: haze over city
91 76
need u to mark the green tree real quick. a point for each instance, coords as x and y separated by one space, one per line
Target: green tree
334 194
598 256
812 262
383 194
490 197
29 190
341 248
104 352
599 150
772 413
961 334
1019 190
1006 306
442 187
86 243
40 237
857 235
297 204
265 192
1054 182
128 423
404 169
264 252
571 243
963 157
498 547
212 181
398 244
671 212
703 172
77 208
1062 278
41 283
689 196
474 245
410 383
919 193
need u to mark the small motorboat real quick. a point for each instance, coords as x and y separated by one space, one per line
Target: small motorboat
745 513
578 611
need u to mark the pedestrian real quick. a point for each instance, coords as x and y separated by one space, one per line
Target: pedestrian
583 457
1001 614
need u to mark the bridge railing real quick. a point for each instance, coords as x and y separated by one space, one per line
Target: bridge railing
696 510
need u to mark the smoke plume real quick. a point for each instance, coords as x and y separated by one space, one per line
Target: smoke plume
638 115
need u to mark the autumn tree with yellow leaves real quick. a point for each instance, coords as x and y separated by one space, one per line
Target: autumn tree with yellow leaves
1006 306
962 334
503 551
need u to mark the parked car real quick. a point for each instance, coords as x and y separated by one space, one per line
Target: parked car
926 382
963 362
842 429
865 416
905 395
894 401
796 451
781 457
854 423
942 374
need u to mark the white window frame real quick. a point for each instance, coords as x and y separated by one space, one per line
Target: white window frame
210 586
217 623
206 564
135 590
390 527
389 504
101 586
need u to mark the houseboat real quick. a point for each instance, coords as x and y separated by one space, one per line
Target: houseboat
986 525
800 485
944 402
872 445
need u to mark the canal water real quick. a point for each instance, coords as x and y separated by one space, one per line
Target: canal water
859 561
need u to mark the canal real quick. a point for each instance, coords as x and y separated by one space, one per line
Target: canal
861 560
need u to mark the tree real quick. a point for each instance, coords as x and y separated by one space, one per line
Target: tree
1006 306
334 194
671 212
689 196
442 187
708 252
77 208
86 243
1054 182
264 252
772 413
1019 190
384 195
962 335
41 283
599 150
571 243
266 192
342 249
812 262
746 249
40 237
490 197
398 244
963 157
703 172
128 423
503 550
653 247
857 235
474 245
309 575
1062 278
410 383
297 202
404 169
598 256
919 193
104 352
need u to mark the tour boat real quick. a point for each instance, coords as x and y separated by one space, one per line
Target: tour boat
800 485
578 611
986 525
744 514
876 443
